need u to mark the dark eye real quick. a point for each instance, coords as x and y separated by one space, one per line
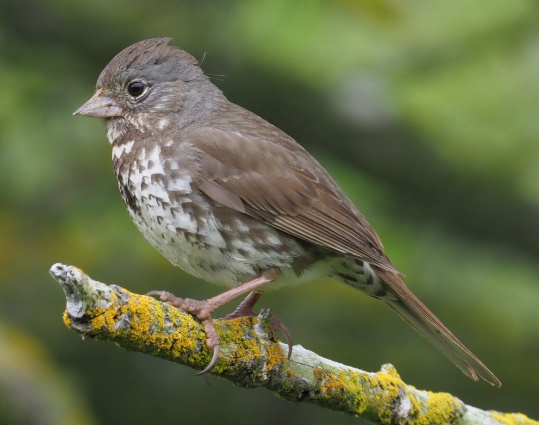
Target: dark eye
136 88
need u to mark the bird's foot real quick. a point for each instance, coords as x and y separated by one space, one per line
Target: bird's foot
203 311
245 309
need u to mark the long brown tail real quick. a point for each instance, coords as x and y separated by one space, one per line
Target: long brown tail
414 312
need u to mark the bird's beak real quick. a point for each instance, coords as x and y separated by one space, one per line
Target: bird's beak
100 106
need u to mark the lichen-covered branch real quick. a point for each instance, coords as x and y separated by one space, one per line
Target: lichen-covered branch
252 357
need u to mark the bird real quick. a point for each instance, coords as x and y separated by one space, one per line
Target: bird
233 200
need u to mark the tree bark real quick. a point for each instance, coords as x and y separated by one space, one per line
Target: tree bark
251 356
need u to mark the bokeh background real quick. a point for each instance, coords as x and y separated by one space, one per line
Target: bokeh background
427 114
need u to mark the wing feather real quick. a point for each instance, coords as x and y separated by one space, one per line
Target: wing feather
289 191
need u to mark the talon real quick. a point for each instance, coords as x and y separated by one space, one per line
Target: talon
277 325
212 363
155 293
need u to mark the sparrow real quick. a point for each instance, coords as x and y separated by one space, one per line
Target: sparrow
235 201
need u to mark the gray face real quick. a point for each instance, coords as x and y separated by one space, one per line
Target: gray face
144 83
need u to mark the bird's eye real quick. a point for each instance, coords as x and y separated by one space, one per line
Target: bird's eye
136 88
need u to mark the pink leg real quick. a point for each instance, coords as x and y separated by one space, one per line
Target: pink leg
245 309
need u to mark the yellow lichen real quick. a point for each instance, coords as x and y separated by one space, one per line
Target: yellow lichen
416 405
385 388
513 418
276 356
105 319
99 322
343 388
147 312
110 318
67 319
441 409
361 391
354 382
247 349
389 369
236 332
143 317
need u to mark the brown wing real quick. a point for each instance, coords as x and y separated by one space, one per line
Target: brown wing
285 187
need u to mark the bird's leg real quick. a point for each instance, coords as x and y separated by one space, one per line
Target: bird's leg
204 309
245 309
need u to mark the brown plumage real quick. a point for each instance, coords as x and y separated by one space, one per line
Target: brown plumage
232 199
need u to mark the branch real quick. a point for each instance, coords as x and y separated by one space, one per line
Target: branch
252 357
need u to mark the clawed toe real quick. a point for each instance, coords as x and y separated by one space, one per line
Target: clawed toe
213 361
277 325
166 297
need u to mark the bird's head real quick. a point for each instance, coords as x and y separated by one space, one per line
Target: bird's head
144 85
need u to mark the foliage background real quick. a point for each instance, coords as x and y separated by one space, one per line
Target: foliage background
425 112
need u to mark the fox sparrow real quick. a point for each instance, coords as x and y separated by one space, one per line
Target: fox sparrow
233 200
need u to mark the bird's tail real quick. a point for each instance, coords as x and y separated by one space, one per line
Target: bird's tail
413 311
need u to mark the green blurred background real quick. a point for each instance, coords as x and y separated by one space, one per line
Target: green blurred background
427 114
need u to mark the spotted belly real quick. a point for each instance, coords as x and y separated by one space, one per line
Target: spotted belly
205 239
